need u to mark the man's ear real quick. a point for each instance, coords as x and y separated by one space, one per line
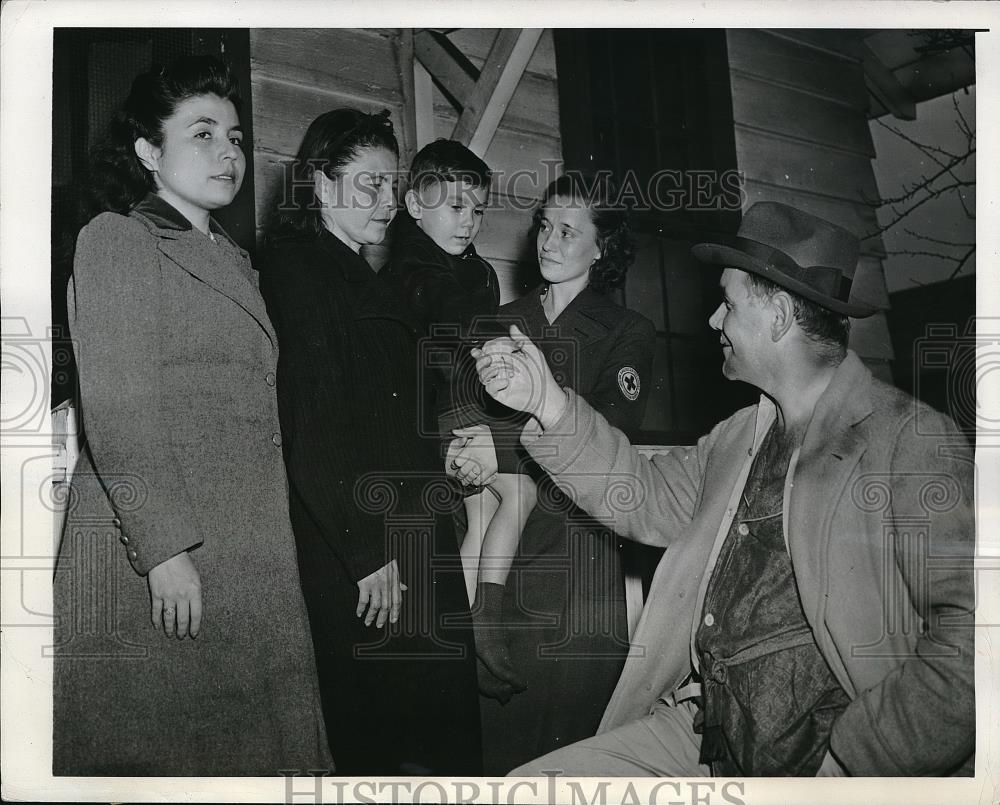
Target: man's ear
784 315
149 154
413 205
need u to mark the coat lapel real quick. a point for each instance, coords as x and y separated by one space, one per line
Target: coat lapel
831 449
585 319
224 267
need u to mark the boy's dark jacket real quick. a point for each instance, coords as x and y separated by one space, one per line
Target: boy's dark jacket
439 288
447 295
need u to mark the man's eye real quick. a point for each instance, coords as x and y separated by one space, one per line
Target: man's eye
478 212
205 135
237 141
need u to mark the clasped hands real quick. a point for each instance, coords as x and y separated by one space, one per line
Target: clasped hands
514 373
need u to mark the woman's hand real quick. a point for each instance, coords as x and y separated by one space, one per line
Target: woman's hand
472 457
381 594
515 373
175 593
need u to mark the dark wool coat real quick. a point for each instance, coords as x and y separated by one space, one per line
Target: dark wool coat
177 365
565 599
366 487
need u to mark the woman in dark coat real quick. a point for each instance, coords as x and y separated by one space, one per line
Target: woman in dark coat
371 507
564 602
178 523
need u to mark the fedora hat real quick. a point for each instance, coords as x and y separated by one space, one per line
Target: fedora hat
798 251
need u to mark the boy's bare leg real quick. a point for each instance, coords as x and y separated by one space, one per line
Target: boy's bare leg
517 499
518 496
480 511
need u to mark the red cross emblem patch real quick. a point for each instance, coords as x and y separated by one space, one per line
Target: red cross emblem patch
628 382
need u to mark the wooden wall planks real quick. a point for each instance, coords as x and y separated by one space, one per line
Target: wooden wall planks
800 114
299 73
784 61
773 158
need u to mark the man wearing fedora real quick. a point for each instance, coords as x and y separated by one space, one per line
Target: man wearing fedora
813 611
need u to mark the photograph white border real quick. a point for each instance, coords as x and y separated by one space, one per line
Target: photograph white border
25 272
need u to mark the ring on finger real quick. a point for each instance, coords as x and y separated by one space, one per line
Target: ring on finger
168 611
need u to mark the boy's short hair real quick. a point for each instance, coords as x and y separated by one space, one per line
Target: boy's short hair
448 161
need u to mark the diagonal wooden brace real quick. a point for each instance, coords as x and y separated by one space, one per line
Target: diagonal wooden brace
505 64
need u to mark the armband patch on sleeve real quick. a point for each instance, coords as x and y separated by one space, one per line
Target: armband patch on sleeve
628 382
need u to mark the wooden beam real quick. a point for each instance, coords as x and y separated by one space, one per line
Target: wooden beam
454 73
505 64
402 42
423 104
884 86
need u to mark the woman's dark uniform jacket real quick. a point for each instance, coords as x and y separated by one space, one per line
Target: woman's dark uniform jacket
365 487
564 605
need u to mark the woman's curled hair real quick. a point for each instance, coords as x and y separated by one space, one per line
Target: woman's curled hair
332 141
118 180
599 194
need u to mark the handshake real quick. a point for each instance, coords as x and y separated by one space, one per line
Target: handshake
515 373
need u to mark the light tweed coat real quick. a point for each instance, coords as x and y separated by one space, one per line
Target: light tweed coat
879 525
176 360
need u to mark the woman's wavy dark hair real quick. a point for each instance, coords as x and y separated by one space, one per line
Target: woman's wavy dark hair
332 141
599 195
118 180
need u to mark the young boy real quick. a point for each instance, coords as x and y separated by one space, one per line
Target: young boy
448 287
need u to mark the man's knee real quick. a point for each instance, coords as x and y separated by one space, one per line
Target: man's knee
562 762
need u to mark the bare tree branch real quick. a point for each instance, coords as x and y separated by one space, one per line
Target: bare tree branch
940 241
930 150
945 180
931 194
970 214
925 182
962 123
965 259
959 261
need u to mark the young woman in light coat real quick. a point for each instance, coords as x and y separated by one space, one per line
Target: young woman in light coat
182 643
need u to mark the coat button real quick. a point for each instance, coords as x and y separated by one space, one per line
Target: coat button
133 555
123 539
276 439
116 523
269 378
710 619
742 529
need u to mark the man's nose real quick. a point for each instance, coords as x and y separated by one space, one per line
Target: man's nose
715 320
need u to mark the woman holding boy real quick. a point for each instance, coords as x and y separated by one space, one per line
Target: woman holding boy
370 505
